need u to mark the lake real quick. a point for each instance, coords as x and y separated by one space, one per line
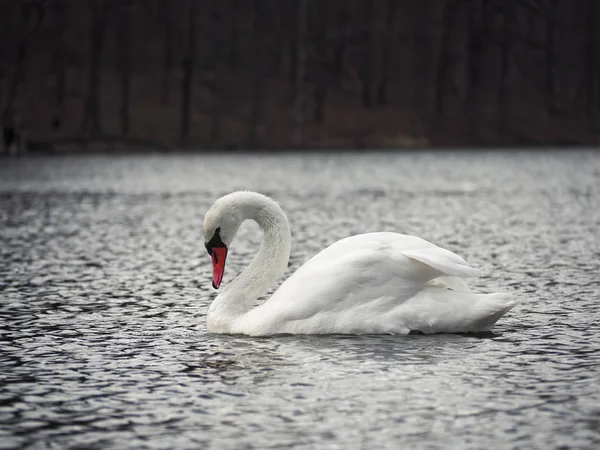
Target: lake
105 284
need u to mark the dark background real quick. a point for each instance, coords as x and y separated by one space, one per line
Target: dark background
210 74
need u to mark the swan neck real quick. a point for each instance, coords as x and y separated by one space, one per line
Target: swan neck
265 269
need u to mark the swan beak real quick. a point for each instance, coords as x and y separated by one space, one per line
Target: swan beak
218 255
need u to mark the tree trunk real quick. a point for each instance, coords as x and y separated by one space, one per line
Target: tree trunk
550 56
167 52
218 104
34 13
369 65
188 75
442 68
278 61
221 50
256 118
422 76
60 63
388 44
320 97
92 121
294 46
125 56
591 44
339 52
530 35
379 11
300 73
321 66
234 41
475 27
503 93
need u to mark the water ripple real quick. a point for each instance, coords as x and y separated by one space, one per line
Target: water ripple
104 285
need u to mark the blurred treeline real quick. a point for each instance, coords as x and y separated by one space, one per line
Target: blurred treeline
313 73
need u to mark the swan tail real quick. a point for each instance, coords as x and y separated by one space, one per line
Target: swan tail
439 309
490 308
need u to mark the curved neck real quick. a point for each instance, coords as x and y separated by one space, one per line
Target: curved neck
268 265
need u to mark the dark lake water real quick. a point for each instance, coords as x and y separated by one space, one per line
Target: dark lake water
104 287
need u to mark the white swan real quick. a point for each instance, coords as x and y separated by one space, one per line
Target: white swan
371 283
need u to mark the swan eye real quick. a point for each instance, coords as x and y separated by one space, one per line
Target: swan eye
215 241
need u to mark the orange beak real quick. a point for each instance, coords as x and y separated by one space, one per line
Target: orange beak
218 255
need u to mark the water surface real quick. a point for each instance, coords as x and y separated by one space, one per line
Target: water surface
104 287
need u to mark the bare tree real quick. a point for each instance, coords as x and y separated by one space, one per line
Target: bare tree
60 57
340 46
591 52
419 58
320 64
389 40
188 73
32 17
221 22
234 41
369 60
258 101
476 26
448 16
92 120
125 56
508 18
378 34
300 73
550 56
167 17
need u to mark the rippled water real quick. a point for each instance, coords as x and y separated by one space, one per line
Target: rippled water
104 287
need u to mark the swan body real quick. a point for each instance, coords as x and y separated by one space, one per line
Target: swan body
371 283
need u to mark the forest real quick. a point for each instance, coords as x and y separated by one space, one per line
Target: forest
282 74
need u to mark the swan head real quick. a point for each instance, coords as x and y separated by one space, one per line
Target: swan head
221 224
223 219
217 250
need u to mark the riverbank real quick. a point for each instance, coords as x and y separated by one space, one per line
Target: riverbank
154 121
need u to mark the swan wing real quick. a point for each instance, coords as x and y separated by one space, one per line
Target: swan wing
360 277
445 261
